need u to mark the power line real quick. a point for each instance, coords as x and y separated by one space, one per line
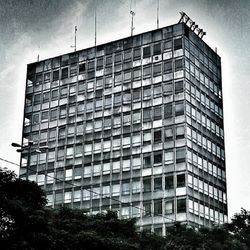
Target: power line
89 190
13 163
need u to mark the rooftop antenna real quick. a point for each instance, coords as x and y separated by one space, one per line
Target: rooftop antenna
132 13
95 24
158 3
191 24
38 56
74 46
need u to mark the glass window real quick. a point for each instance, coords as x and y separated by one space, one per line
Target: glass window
54 94
108 101
180 154
46 96
137 53
55 75
146 185
158 207
157 69
168 134
157 157
157 49
37 99
45 116
168 45
167 88
146 161
106 191
147 71
117 99
179 108
147 117
147 93
178 87
146 52
157 183
137 73
73 70
136 95
65 72
136 117
98 103
82 68
169 182
169 207
178 64
136 162
125 188
136 186
181 180
157 136
157 113
169 157
180 131
147 137
167 67
181 206
115 189
53 114
116 166
157 91
177 44
168 111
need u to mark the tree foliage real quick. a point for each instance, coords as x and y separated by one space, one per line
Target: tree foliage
26 223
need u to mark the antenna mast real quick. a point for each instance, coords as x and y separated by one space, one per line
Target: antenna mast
95 24
74 46
132 21
132 13
158 13
75 36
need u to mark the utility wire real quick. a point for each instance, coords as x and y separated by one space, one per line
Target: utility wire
91 191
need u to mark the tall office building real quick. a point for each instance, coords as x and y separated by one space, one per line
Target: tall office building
134 125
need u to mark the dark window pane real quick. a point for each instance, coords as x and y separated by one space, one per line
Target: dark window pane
168 67
65 73
181 206
157 136
169 182
177 44
146 52
158 207
157 183
180 155
168 110
181 180
178 87
157 157
178 65
146 115
157 113
55 75
82 68
157 69
137 53
157 49
146 185
146 161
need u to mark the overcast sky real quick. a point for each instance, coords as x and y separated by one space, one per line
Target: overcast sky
46 27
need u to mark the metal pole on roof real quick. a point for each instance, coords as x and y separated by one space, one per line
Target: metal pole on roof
95 23
158 3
